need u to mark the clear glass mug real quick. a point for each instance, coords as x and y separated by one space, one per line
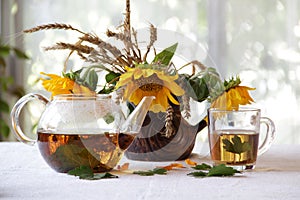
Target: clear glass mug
234 136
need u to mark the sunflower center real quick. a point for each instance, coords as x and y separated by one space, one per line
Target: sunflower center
150 84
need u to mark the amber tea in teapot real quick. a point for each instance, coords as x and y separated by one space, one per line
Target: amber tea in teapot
76 130
101 152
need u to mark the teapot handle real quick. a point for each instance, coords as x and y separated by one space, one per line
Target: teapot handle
15 114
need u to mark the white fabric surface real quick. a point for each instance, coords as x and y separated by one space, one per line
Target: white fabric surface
25 175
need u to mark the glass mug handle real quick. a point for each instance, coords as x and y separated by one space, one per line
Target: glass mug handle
270 135
15 114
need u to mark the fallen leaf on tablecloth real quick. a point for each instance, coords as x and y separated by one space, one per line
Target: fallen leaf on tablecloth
125 166
172 165
190 162
203 166
160 171
222 170
85 172
219 170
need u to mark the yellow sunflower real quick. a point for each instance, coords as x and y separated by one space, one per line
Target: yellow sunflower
142 82
233 97
62 85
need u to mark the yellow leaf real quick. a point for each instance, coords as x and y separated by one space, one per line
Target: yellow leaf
190 162
125 166
172 165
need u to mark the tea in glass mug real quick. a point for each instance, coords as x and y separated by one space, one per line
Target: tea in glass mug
234 136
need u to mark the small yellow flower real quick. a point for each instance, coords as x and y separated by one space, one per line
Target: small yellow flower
234 97
142 82
62 85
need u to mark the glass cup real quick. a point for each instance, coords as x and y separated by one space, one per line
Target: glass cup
235 138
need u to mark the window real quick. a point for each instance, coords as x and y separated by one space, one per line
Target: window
257 39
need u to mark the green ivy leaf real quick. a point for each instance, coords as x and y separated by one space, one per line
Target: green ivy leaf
160 171
219 170
198 174
222 170
166 55
236 146
86 173
81 171
203 166
103 176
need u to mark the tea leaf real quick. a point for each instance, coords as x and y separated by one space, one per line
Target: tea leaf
86 173
166 55
72 156
160 171
222 170
236 146
203 166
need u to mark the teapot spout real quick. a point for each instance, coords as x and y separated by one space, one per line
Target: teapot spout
135 120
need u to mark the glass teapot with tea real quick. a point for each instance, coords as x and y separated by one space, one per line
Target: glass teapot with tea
77 130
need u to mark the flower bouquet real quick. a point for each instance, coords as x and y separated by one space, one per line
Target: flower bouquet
130 75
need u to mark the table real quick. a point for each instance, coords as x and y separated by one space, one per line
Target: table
25 175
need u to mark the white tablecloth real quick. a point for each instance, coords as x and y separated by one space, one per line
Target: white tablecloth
25 175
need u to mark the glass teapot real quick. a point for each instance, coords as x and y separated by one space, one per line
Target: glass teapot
77 130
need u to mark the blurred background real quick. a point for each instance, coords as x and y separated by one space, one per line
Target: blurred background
259 40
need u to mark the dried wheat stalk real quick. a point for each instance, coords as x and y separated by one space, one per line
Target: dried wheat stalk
99 51
186 106
153 38
170 130
73 47
52 26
